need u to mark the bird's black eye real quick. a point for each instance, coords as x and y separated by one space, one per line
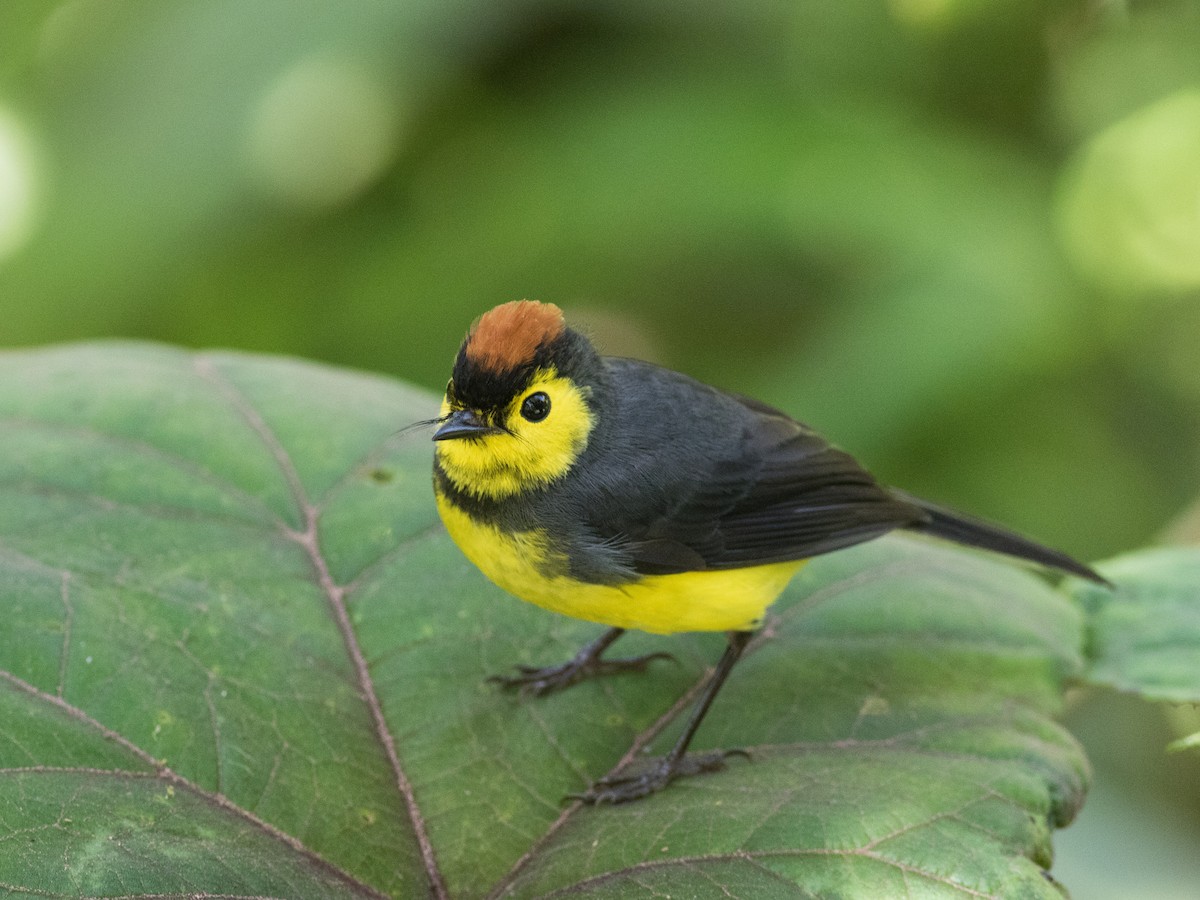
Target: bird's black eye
535 407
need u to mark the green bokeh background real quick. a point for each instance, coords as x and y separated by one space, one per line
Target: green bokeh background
962 237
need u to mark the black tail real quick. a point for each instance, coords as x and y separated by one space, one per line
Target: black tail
954 526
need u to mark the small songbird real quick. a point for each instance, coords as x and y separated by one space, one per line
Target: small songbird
623 493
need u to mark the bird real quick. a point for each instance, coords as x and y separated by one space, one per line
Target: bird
633 496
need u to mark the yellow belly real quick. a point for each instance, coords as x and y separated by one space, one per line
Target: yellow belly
714 600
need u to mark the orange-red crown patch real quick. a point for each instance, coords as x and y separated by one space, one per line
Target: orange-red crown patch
509 335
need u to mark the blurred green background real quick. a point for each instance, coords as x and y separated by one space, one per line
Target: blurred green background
962 237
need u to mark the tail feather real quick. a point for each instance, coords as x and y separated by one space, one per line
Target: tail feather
954 526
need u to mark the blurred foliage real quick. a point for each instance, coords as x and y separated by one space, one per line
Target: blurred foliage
960 236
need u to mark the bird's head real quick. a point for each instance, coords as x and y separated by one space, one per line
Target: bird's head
520 406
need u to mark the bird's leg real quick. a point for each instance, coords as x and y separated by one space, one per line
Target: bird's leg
584 664
677 763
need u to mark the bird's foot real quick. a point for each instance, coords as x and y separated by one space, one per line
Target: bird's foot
624 788
547 680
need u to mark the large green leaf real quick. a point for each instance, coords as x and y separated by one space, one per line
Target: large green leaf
240 657
1145 635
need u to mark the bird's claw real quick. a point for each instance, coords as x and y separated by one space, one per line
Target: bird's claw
548 679
623 788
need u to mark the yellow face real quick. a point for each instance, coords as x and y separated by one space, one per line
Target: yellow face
545 428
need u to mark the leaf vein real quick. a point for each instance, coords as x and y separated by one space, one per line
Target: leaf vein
129 446
160 770
309 540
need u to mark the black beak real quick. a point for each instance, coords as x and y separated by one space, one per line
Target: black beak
464 423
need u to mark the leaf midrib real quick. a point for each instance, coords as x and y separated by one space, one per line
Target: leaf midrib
335 594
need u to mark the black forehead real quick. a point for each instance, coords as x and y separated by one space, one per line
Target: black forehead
484 388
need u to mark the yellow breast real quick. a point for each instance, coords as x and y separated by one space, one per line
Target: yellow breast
715 600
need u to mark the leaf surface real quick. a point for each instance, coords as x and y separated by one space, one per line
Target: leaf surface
242 658
1145 634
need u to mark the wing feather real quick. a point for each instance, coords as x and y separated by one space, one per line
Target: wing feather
768 490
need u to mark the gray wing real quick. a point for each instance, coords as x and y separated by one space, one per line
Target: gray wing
746 486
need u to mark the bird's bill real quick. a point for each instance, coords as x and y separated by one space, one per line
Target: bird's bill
464 423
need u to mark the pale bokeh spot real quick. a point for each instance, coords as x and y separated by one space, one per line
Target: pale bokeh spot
322 133
17 184
1130 206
